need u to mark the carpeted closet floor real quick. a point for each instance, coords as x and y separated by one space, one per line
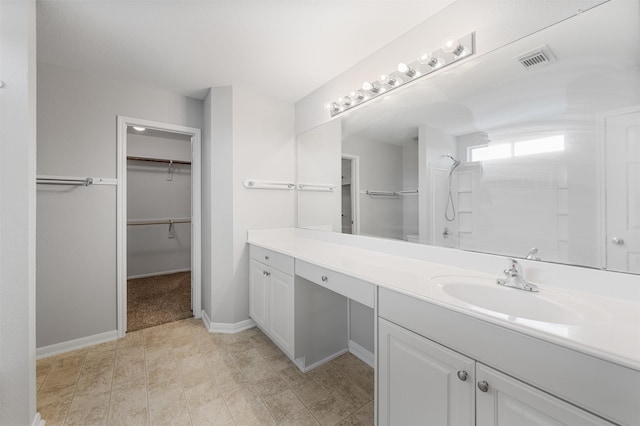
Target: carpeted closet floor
158 300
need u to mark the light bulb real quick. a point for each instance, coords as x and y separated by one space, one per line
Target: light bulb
428 59
370 87
139 128
390 80
357 95
406 69
453 46
348 101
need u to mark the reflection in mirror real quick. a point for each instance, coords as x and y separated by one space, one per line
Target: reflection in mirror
512 158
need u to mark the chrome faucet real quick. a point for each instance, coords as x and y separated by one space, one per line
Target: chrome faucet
513 278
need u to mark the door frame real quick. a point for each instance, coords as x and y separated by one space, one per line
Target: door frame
121 216
355 191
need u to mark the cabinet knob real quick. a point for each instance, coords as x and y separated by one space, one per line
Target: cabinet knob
324 278
617 241
267 273
266 258
483 386
462 375
264 272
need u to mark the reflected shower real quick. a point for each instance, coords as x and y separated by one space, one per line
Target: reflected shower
450 205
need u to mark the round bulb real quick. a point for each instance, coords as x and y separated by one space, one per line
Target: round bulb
452 46
425 58
402 67
367 86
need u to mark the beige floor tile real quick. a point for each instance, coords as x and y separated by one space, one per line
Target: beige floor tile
329 410
54 413
248 358
283 405
303 418
350 421
241 399
310 391
170 412
180 374
352 395
365 414
209 412
270 385
258 371
164 391
55 394
256 415
292 375
279 362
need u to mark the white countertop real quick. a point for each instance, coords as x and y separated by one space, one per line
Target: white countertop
613 334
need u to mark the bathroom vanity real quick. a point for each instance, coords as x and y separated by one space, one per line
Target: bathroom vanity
452 347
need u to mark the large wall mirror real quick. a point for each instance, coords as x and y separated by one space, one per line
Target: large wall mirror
492 156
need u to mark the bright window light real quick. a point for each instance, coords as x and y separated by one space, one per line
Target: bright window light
493 152
539 146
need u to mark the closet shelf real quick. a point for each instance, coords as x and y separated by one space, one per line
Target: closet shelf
157 160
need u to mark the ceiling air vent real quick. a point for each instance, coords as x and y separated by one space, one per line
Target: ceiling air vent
536 58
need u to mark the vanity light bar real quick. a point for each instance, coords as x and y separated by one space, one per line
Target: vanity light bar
428 62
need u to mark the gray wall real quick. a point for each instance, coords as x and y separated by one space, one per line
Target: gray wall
250 136
76 288
17 212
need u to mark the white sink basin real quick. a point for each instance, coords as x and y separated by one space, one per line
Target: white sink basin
484 295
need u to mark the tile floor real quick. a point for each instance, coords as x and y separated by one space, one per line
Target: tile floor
179 374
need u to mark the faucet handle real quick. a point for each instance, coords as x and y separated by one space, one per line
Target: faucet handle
514 269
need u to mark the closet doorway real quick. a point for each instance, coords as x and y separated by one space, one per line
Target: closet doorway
159 223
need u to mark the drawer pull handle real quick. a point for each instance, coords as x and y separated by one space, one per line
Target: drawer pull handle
483 386
462 375
324 278
266 258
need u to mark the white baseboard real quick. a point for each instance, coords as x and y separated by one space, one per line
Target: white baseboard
300 362
155 274
362 353
37 420
222 327
72 345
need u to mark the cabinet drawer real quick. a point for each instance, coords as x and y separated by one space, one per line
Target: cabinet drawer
353 288
274 259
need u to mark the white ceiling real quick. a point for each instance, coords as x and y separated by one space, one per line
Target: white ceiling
285 49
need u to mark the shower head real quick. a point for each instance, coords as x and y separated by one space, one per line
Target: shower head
455 164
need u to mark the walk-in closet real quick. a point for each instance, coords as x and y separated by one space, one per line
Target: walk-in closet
159 282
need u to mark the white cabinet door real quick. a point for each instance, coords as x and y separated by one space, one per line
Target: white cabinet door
280 296
258 283
507 402
419 383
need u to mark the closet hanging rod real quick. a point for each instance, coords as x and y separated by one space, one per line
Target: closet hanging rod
157 160
63 181
157 222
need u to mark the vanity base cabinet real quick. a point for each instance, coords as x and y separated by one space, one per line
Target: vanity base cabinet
507 401
258 284
421 382
281 310
271 296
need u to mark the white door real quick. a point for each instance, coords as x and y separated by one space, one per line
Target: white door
281 310
421 382
258 282
622 142
505 401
